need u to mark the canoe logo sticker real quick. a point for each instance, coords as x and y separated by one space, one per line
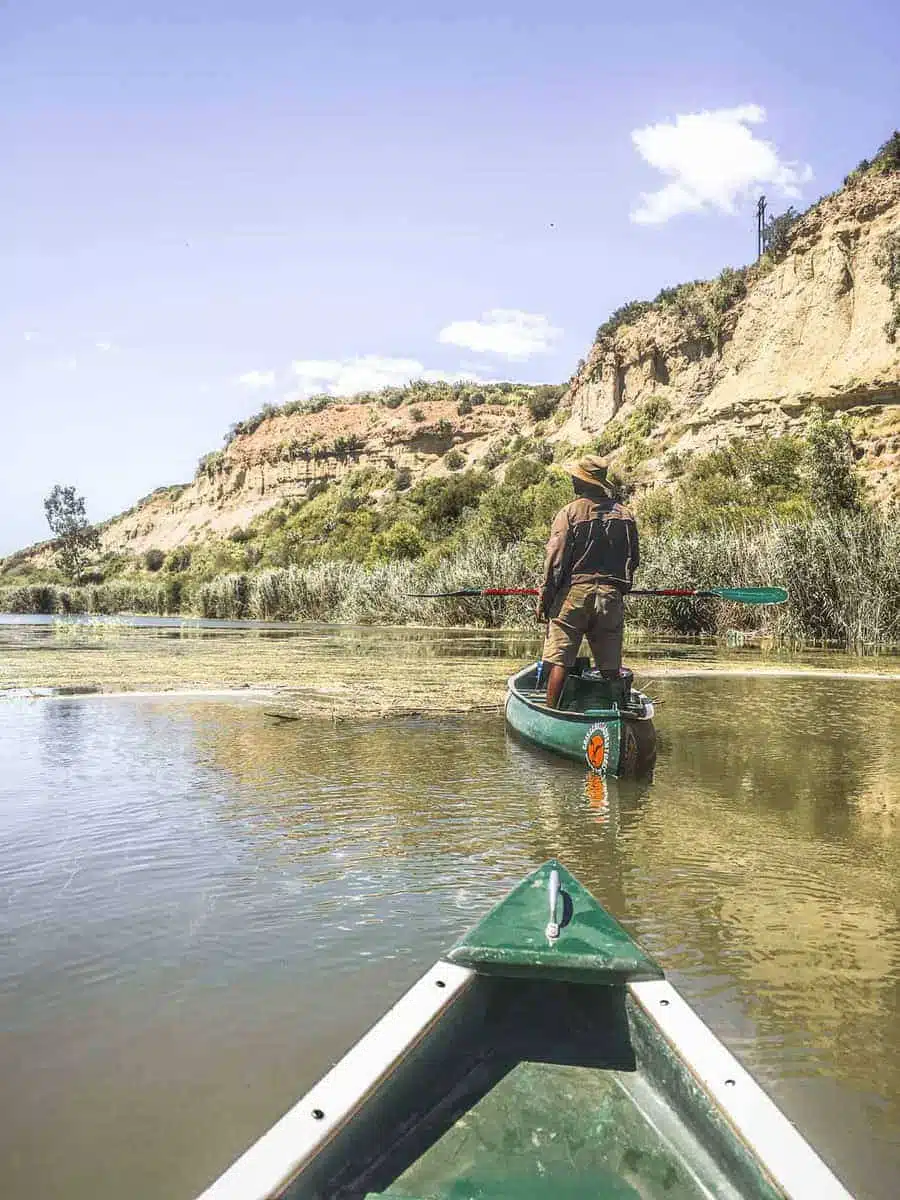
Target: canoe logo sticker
596 747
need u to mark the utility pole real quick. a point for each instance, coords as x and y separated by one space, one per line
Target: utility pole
760 226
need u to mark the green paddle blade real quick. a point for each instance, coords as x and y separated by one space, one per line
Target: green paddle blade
758 595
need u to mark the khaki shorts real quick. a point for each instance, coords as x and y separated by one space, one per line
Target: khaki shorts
591 610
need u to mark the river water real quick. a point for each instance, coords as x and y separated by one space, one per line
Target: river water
202 907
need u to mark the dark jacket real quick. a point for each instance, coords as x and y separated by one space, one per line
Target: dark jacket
591 541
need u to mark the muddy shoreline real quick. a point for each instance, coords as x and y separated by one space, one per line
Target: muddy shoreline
349 673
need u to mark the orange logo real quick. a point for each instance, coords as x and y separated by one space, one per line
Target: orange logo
595 748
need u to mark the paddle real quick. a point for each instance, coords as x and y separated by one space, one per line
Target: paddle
751 595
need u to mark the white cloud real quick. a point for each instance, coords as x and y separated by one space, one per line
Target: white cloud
369 373
30 335
714 160
257 379
507 331
103 347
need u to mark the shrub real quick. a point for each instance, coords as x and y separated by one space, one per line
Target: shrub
778 232
317 488
454 460
416 414
888 259
635 451
37 598
178 559
728 288
542 402
647 415
610 439
252 423
401 542
442 502
655 510
154 559
504 514
402 479
175 595
304 405
523 472
888 156
834 482
464 407
627 314
211 463
344 448
443 428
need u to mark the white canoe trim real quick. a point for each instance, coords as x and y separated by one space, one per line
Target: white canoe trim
269 1166
779 1147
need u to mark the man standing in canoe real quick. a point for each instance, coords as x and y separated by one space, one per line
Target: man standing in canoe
592 555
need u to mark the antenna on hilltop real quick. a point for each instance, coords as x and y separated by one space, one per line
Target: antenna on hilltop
760 226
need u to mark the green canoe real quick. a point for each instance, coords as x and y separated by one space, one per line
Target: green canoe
605 724
545 1057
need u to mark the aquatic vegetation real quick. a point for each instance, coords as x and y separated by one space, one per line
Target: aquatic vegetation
842 570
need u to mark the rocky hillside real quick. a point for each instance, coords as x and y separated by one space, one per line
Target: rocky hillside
814 322
749 353
288 455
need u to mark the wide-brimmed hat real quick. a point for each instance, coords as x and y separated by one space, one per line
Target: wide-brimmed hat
593 470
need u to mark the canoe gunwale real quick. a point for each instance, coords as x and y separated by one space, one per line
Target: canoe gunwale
269 1167
771 1140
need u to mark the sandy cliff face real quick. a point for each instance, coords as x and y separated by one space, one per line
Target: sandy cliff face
287 454
810 330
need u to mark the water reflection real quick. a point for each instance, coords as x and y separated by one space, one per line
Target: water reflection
205 905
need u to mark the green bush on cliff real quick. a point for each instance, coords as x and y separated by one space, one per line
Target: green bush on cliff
833 481
542 402
888 259
778 233
154 559
699 303
744 483
887 159
632 431
401 542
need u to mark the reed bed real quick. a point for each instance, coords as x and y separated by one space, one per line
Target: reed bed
842 572
119 596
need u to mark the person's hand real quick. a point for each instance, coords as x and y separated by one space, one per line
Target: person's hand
539 611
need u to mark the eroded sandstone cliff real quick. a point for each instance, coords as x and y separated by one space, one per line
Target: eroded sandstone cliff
812 328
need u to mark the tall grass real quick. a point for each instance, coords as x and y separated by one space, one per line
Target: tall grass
349 593
119 596
842 573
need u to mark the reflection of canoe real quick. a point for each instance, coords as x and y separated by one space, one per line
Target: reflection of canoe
544 1057
603 723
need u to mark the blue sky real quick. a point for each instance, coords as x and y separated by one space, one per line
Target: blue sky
210 206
